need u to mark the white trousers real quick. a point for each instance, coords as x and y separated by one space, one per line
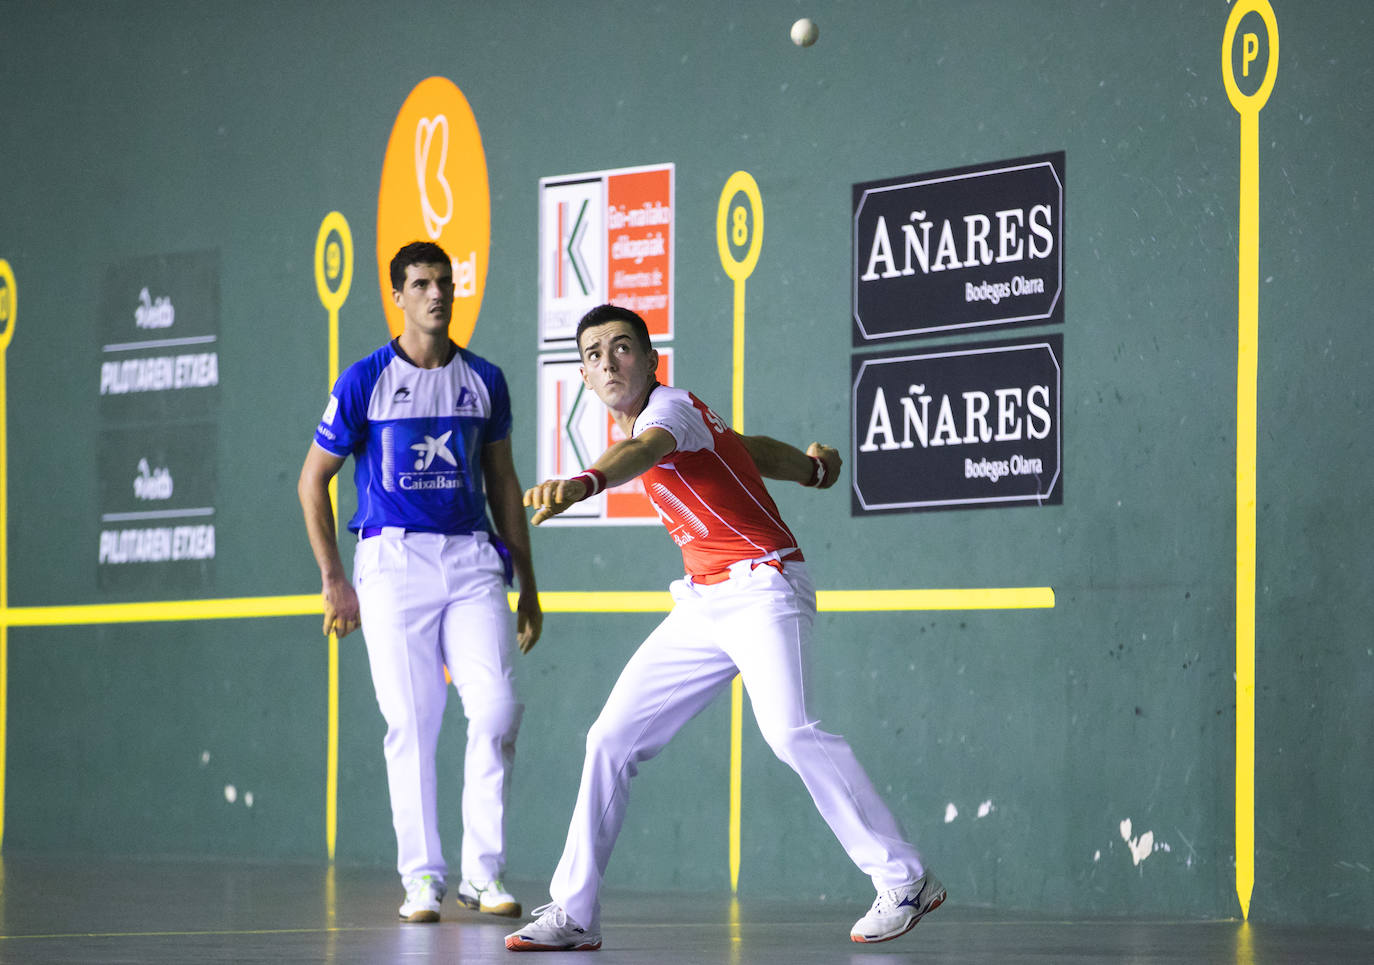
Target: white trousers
428 602
757 623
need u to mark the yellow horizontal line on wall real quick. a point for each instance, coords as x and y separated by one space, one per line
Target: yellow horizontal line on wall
222 609
999 598
650 601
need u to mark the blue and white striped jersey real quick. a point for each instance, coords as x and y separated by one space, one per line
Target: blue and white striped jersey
416 436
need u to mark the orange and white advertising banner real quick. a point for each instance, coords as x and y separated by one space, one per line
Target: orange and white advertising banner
605 236
434 188
574 429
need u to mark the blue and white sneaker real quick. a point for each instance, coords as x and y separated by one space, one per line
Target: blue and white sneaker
553 931
424 898
896 912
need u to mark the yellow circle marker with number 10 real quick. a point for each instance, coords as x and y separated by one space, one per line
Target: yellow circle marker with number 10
739 226
9 310
333 277
1247 405
9 304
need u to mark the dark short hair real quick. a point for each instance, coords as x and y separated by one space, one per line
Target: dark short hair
416 253
602 314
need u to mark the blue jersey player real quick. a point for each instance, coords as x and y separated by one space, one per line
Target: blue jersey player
428 425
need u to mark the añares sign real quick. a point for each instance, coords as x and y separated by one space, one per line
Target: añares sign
961 426
970 247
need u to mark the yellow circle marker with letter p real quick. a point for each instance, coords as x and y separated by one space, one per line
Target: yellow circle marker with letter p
1247 404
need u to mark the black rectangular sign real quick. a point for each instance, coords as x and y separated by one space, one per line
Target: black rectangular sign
960 426
980 246
159 421
157 500
159 359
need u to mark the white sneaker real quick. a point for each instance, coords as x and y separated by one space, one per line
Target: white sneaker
491 898
896 912
424 898
553 931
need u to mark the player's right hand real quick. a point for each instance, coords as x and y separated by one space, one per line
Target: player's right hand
553 496
832 460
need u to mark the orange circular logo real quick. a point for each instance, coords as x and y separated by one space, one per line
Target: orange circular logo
434 188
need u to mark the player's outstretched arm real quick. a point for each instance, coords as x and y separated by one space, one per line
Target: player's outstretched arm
617 465
818 466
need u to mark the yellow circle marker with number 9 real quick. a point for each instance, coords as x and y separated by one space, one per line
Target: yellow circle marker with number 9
333 261
333 277
9 303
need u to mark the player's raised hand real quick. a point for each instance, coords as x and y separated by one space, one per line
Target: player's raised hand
832 460
552 496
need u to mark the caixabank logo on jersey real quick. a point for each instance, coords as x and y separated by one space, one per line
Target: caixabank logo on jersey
970 247
426 464
961 426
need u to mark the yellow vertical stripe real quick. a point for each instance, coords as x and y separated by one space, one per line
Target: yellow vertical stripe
1247 392
737 685
331 779
736 777
4 589
1248 105
737 380
9 315
739 224
338 256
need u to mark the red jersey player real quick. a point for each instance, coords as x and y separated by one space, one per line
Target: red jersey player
746 606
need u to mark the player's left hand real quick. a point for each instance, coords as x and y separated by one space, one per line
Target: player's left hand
529 621
340 608
832 460
553 496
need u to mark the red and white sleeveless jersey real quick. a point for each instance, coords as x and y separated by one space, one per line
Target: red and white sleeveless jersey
707 491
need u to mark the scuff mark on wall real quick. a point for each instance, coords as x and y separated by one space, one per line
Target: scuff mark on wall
1141 847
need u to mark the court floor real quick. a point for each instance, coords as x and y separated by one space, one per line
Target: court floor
205 912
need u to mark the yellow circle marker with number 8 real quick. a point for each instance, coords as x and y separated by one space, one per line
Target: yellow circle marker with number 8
739 225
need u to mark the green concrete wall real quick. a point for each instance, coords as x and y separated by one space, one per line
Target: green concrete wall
133 130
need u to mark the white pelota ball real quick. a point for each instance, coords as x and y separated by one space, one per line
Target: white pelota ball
805 32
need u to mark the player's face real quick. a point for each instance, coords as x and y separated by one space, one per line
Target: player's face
426 297
615 366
